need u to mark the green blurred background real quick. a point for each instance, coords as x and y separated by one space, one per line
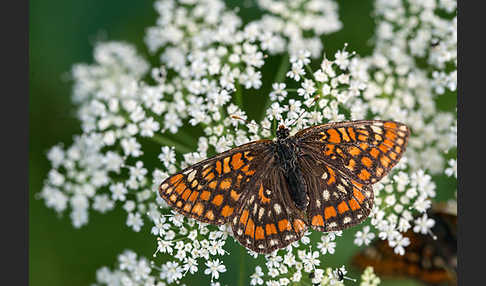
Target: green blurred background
63 33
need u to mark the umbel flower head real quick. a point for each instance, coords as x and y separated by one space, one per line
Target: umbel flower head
189 107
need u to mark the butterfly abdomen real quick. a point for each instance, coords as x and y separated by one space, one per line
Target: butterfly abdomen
286 151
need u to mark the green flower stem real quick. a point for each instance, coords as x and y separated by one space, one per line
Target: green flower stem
239 95
279 77
241 279
169 142
310 71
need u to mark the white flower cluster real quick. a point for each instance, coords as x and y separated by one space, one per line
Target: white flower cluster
369 278
208 58
190 243
132 270
408 30
300 23
398 200
414 43
296 263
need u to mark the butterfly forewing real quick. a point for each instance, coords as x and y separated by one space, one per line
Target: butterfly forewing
212 190
364 150
267 219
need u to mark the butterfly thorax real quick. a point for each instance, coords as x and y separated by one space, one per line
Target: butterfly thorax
287 151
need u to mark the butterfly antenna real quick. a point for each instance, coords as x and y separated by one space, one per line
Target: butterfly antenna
349 278
248 122
434 237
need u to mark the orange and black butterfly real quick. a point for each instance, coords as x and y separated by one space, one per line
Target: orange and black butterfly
273 191
432 261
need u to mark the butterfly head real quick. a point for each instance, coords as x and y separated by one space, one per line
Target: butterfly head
282 132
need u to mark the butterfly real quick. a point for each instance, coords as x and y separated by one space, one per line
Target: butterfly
272 191
432 261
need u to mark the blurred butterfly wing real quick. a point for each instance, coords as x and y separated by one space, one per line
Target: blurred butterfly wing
431 261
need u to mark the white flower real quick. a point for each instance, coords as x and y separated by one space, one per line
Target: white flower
341 59
308 88
279 92
452 170
303 56
214 268
135 221
311 260
256 278
297 71
171 271
102 203
364 236
131 147
326 244
127 260
423 224
118 191
369 278
399 243
251 79
167 156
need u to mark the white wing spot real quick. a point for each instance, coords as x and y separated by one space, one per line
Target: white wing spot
341 188
377 129
344 182
347 219
277 208
326 195
260 213
191 176
324 175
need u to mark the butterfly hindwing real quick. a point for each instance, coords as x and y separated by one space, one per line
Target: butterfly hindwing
267 220
210 191
335 200
364 150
